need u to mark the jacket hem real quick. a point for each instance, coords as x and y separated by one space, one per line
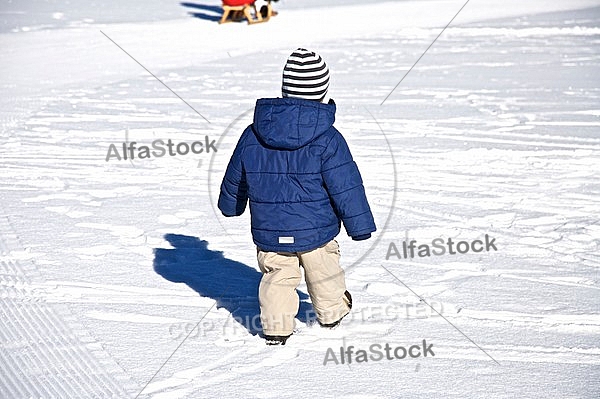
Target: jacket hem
291 248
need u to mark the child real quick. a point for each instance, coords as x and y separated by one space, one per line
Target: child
297 171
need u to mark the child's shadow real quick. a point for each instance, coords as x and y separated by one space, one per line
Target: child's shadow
232 284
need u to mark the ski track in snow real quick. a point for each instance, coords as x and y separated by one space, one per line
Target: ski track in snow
483 143
45 352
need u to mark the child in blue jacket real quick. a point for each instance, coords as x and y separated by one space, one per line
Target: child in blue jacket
298 174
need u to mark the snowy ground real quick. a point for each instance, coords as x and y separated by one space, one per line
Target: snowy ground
106 266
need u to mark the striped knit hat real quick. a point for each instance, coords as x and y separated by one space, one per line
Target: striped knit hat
305 76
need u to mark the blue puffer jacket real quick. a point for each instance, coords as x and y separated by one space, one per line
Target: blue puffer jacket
297 171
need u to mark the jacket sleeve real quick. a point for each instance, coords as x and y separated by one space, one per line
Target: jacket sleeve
345 187
234 188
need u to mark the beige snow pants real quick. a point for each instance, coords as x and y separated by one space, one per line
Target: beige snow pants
279 301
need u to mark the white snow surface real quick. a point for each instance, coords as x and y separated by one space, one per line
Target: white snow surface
119 279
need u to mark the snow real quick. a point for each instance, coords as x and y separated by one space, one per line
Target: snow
121 279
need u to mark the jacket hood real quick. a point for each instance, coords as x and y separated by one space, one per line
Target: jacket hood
291 123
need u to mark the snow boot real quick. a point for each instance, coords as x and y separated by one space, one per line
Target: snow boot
276 339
